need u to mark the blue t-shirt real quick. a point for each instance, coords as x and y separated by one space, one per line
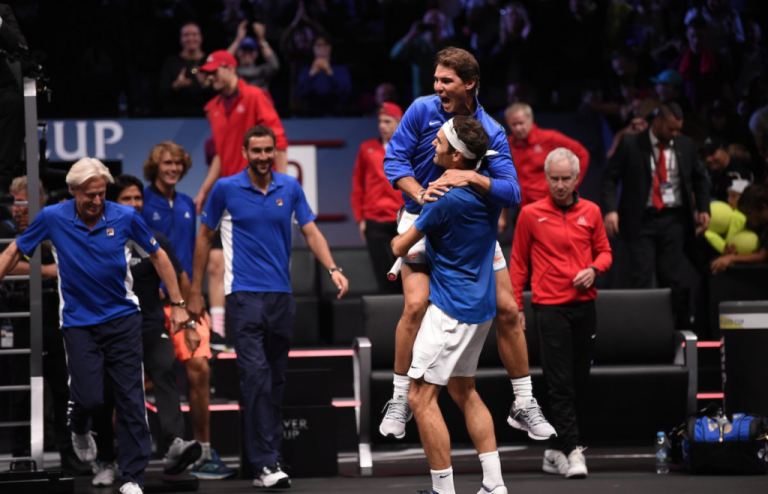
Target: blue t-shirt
410 152
256 230
177 223
95 279
461 239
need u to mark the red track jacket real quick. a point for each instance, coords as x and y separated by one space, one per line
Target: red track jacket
557 245
251 107
373 198
529 156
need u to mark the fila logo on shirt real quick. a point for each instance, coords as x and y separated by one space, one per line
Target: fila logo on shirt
279 202
110 232
155 216
581 221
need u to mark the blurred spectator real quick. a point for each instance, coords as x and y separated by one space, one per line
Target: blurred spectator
669 88
724 29
722 167
374 202
12 42
700 67
753 58
530 146
754 204
322 85
511 55
247 51
636 126
386 92
419 47
182 93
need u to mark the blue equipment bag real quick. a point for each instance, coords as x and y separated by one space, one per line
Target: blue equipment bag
713 444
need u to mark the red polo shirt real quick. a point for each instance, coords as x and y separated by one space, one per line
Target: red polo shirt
373 198
557 244
529 155
249 108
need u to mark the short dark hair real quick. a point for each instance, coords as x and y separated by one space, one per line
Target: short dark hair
667 110
473 135
259 131
462 62
121 183
754 198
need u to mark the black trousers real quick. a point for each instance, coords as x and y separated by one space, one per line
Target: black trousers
159 358
11 135
378 237
567 335
659 247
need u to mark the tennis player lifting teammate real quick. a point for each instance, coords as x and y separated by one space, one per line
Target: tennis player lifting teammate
409 167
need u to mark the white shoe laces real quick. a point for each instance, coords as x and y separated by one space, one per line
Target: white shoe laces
397 410
532 414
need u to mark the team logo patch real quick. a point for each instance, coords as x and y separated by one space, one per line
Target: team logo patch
279 202
186 215
110 232
581 221
153 241
155 216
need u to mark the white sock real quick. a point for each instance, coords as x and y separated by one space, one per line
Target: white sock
217 320
522 387
491 464
402 386
442 481
206 452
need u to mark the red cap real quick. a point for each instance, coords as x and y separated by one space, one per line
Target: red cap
392 110
219 58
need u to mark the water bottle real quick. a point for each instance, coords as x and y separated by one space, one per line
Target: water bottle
662 453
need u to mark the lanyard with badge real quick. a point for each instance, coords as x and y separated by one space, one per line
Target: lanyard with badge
665 187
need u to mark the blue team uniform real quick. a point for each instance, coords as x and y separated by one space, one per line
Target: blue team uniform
410 152
256 237
461 238
100 317
178 222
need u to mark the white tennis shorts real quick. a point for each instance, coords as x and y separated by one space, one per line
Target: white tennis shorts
446 347
418 253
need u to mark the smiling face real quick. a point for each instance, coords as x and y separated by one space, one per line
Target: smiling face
170 169
260 154
456 96
191 39
89 198
131 196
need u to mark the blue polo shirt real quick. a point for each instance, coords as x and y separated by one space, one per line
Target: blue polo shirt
95 279
256 230
461 239
178 222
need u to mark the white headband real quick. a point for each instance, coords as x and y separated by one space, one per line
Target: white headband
453 139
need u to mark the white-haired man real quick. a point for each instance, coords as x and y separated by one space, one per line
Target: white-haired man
563 239
100 319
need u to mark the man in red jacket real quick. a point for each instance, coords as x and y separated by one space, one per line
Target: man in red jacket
563 239
374 202
530 145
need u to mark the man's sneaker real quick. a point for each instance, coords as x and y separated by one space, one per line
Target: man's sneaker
499 489
555 462
131 488
272 476
180 455
105 474
530 419
213 469
84 446
71 463
398 413
577 465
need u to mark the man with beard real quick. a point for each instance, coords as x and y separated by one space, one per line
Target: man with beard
254 210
